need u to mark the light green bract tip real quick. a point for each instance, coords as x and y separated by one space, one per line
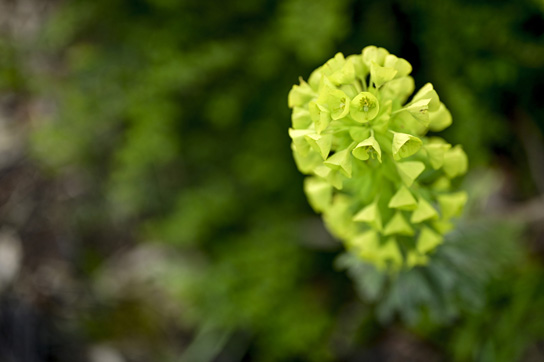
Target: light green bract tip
384 189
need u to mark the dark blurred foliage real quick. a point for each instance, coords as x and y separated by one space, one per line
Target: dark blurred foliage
149 192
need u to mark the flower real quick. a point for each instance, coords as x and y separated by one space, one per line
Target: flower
382 185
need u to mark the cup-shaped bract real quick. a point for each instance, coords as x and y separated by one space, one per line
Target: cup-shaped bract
383 187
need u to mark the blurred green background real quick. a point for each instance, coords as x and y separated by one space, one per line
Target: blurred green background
150 208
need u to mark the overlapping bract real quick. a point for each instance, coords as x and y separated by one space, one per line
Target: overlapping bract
382 186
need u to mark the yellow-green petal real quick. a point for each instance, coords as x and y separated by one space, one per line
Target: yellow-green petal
403 200
341 161
299 140
409 171
300 94
320 115
428 92
424 211
402 66
452 204
320 143
319 193
381 75
374 54
455 162
371 215
436 152
440 120
368 148
405 145
398 225
428 240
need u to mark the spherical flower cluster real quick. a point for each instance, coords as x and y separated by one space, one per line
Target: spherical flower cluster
383 188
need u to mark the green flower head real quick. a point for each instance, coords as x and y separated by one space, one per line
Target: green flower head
383 187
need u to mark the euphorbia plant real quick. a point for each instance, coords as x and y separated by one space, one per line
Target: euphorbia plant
383 186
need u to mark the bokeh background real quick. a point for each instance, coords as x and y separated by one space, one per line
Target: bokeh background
150 209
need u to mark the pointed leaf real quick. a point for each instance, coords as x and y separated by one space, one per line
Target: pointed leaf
390 251
371 215
398 225
452 204
403 200
423 212
414 259
409 171
428 240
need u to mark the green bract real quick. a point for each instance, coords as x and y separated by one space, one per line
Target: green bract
383 187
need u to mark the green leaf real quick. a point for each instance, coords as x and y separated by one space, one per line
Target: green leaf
405 145
319 193
428 240
398 225
403 200
381 75
452 204
371 215
341 161
455 162
320 143
423 212
332 177
368 148
409 171
364 107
